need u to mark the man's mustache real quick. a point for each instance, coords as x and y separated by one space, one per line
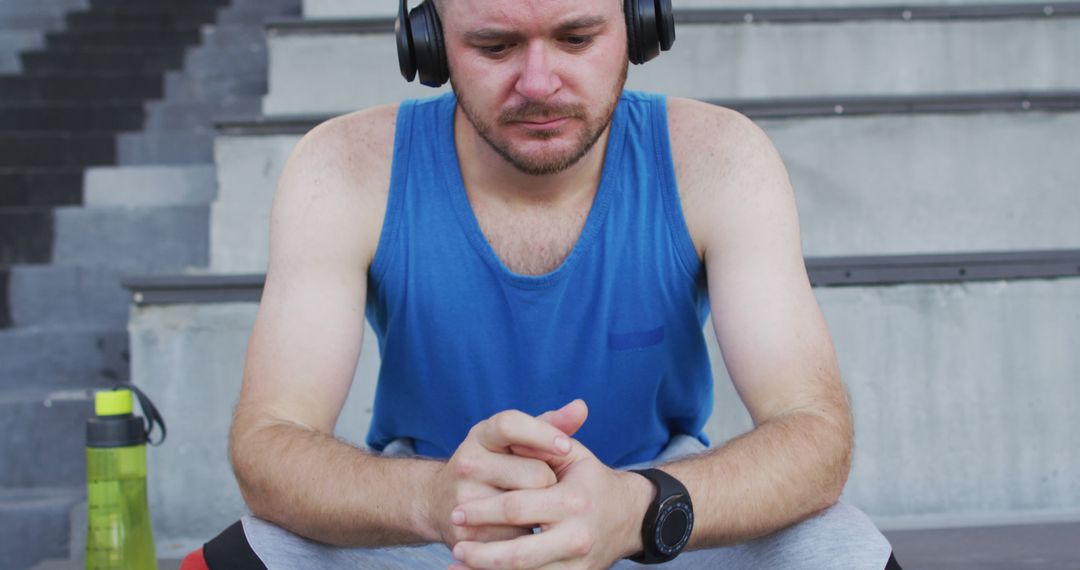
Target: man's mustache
531 111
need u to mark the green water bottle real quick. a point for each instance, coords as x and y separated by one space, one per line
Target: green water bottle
119 535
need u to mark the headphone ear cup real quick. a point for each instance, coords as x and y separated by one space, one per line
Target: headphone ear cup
650 28
665 24
405 54
631 10
425 33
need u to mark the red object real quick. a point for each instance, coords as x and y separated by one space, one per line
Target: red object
194 561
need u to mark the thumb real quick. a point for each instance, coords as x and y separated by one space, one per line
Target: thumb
568 418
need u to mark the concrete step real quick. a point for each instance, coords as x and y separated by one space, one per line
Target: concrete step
63 357
26 235
122 38
48 6
141 186
56 149
868 185
40 186
12 42
35 524
193 87
38 21
55 295
170 116
97 116
138 59
44 436
70 85
99 19
347 9
194 147
117 4
144 240
731 60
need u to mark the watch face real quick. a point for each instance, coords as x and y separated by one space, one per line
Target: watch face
673 525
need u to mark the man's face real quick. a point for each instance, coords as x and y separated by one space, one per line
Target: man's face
538 79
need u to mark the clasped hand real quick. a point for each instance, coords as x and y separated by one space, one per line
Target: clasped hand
515 473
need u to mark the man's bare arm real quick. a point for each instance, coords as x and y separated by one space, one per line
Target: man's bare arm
302 355
325 223
771 331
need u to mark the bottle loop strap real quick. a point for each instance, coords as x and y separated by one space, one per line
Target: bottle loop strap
148 408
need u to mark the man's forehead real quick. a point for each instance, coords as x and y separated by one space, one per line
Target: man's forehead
523 14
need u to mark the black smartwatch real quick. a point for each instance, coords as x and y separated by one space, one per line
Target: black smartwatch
669 520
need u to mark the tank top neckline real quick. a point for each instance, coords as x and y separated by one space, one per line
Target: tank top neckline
455 185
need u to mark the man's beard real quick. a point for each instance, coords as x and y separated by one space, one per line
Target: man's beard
544 164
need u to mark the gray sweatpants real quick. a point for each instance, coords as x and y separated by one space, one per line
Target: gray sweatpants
841 537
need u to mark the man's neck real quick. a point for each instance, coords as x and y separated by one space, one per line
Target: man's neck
489 176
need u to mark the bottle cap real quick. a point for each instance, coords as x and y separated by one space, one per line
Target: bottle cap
113 402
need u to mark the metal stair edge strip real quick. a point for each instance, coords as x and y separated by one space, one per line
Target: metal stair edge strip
794 107
823 271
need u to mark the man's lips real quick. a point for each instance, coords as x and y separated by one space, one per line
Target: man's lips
543 124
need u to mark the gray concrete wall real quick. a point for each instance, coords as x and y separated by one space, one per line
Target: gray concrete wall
963 396
865 185
354 71
366 9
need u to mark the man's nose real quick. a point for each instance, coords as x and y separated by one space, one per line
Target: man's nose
538 79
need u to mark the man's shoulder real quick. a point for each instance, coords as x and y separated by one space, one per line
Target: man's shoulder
361 141
720 157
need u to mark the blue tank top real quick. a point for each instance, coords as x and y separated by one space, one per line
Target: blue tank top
618 323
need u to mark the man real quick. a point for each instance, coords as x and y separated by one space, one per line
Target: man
538 254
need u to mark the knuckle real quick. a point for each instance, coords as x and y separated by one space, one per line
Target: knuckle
582 543
465 467
576 503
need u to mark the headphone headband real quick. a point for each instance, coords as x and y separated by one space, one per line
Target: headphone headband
650 29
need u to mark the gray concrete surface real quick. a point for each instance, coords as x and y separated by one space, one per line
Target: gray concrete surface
350 9
150 185
139 239
730 61
962 396
864 185
1012 547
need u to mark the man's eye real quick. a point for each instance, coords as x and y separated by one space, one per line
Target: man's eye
498 49
578 41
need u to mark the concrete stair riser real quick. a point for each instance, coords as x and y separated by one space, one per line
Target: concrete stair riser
163 116
26 235
60 87
117 4
865 185
42 6
733 60
154 186
35 524
62 149
41 295
122 38
165 148
991 343
143 60
40 187
45 437
14 41
63 357
98 117
242 60
32 21
98 20
187 89
347 9
145 240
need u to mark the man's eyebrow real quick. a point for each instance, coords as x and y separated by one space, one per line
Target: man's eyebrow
489 34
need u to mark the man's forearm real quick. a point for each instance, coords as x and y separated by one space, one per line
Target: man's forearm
777 474
320 488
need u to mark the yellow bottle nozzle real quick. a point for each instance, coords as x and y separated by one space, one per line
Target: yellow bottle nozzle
113 402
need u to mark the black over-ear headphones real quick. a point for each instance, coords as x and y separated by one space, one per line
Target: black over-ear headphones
650 28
